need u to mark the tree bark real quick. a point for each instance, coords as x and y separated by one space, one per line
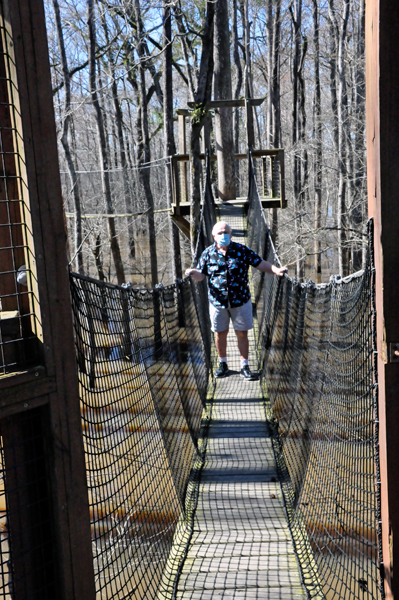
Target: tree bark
238 86
223 91
143 147
121 144
186 48
342 118
65 142
169 140
273 100
318 156
112 236
202 96
296 15
358 216
246 25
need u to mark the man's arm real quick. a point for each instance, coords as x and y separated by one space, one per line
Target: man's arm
195 274
267 267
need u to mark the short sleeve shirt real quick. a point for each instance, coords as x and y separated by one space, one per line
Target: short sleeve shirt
228 274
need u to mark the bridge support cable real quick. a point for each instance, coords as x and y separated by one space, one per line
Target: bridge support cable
143 360
316 347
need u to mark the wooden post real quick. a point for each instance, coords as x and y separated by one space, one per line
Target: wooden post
182 150
264 176
382 105
52 386
249 123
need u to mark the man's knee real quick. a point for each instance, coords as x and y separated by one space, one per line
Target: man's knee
241 334
221 334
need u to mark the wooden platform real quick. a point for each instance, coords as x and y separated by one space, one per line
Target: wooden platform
240 546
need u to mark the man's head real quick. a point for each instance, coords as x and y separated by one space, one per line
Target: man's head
222 234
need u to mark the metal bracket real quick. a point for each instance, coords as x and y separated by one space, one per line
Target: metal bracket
394 352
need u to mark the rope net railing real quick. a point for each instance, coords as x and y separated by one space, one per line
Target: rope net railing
143 358
316 346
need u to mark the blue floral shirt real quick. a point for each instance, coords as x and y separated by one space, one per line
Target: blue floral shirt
228 274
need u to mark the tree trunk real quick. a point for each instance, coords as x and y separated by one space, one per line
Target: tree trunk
65 142
223 91
318 144
186 47
169 140
238 86
143 147
296 16
121 143
357 216
202 96
246 25
273 100
342 117
112 236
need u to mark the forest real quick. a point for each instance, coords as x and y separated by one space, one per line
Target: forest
121 68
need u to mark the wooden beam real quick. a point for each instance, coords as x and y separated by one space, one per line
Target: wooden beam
182 224
183 165
382 103
239 156
31 84
185 207
230 103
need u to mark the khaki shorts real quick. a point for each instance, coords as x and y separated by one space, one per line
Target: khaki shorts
241 317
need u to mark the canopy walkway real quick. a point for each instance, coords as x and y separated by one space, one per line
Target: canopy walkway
264 489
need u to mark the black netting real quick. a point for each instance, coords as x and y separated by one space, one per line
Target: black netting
316 348
144 362
143 359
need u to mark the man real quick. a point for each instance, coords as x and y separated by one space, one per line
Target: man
226 265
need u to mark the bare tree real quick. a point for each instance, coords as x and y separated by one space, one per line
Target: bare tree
121 141
65 141
340 32
318 156
202 96
112 235
169 139
143 144
223 91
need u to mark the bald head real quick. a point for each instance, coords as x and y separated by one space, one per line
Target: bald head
221 227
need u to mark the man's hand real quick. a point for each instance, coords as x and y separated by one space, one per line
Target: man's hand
279 270
195 274
267 267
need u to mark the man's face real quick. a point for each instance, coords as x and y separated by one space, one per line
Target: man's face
223 228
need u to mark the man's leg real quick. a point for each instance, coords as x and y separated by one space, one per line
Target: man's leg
221 347
243 344
221 343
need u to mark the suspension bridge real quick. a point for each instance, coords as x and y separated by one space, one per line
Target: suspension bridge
127 470
201 488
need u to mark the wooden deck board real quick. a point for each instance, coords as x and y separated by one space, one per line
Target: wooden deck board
260 593
240 546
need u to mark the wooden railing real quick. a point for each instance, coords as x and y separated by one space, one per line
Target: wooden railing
272 180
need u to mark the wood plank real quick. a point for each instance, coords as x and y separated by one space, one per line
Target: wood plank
260 593
229 564
274 548
240 579
206 538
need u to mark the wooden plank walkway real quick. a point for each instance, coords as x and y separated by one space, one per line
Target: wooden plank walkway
241 545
